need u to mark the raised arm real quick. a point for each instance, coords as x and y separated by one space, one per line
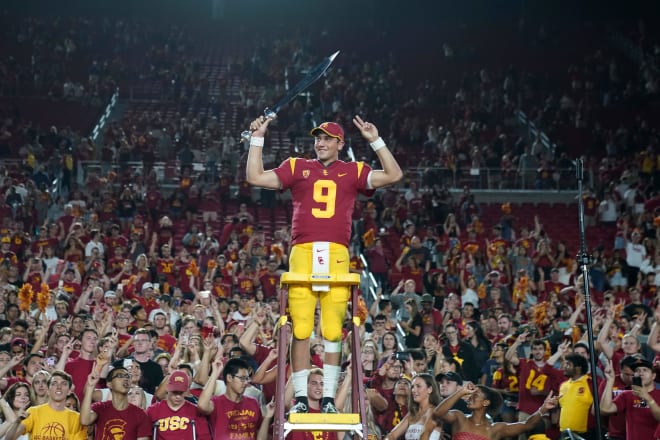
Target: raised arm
511 354
255 173
444 409
603 340
204 404
559 354
87 416
391 172
607 406
515 429
655 330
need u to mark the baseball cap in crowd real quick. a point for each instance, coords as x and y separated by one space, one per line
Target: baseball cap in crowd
178 382
407 223
427 297
18 341
332 129
450 376
494 274
641 362
110 294
146 286
6 239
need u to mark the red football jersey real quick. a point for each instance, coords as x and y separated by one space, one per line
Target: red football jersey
323 197
533 378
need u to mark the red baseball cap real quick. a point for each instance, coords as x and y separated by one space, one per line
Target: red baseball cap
178 382
332 129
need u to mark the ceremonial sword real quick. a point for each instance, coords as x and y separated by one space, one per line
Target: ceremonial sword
309 79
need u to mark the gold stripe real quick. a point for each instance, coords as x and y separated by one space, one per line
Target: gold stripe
360 165
292 163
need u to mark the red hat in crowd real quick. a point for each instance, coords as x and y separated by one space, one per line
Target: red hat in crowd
178 382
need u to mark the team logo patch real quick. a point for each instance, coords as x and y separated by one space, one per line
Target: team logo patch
305 174
581 390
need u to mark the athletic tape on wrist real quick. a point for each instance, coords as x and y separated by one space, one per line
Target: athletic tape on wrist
257 141
377 144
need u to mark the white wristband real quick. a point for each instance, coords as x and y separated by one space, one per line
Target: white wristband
377 144
256 141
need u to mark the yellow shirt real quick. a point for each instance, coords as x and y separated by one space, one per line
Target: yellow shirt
45 423
575 404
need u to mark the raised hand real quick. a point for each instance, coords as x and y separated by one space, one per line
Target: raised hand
609 370
259 126
270 409
208 343
368 130
469 388
550 402
94 376
217 364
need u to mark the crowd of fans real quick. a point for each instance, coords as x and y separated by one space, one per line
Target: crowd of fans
121 270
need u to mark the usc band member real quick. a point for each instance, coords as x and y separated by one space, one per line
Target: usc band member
323 192
175 418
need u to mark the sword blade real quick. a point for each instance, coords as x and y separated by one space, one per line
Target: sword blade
309 79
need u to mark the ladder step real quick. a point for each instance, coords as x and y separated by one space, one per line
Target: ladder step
356 427
319 418
332 278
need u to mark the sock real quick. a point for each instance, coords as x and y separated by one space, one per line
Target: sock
300 383
331 375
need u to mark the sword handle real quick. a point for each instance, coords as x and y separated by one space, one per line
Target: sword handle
268 114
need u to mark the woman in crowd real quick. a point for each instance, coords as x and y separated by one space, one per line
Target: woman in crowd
413 327
388 345
424 396
16 401
475 336
484 402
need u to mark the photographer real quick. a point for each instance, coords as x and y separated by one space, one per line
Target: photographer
386 385
640 405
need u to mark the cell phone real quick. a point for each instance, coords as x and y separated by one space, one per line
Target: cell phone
637 381
402 355
50 361
563 325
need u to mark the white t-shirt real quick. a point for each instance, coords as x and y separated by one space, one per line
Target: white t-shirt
635 254
470 296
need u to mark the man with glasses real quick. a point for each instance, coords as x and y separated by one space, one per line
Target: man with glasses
233 414
52 419
383 383
152 374
115 418
379 325
175 418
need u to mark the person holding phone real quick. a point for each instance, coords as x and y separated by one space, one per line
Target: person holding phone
640 404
